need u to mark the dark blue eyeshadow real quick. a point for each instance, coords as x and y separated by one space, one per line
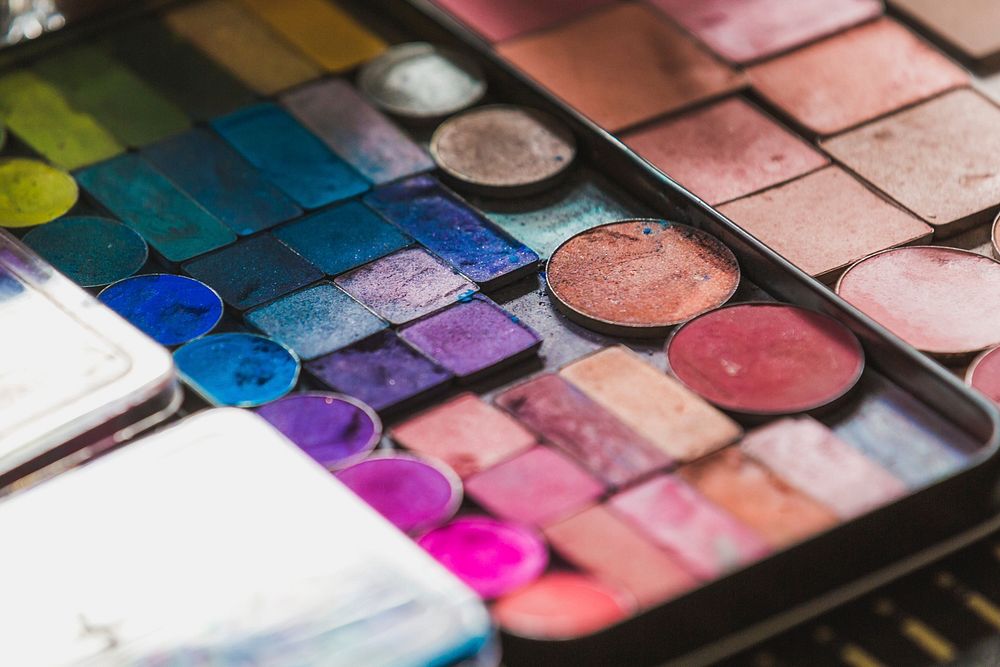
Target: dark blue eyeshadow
253 271
382 370
342 238
148 202
454 231
316 321
290 156
91 251
169 309
215 175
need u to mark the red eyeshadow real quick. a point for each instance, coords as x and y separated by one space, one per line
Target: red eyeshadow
497 20
984 374
595 539
537 487
746 30
562 605
766 358
708 541
940 300
725 151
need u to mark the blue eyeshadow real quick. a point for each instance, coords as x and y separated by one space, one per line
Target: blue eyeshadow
316 320
215 175
253 271
342 238
383 371
897 431
169 309
454 231
290 156
144 199
91 251
238 369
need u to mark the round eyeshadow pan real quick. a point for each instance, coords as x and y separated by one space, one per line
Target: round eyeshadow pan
238 369
942 301
492 557
91 251
995 236
503 150
562 605
984 374
640 277
335 430
414 494
32 192
766 358
421 81
170 309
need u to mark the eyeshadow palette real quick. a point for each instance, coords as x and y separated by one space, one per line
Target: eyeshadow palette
425 224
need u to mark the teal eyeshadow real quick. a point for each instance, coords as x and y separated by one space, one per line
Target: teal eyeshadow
171 222
215 175
91 251
316 321
342 238
238 369
542 222
290 156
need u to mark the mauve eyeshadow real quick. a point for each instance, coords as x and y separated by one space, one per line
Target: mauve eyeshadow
746 30
825 221
497 21
725 151
938 159
381 370
566 417
472 337
856 76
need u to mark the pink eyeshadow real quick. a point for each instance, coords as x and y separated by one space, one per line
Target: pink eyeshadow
708 541
497 20
746 30
984 374
940 300
725 151
595 540
537 487
855 76
766 358
811 458
466 433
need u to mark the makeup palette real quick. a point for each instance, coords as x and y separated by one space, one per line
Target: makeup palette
634 426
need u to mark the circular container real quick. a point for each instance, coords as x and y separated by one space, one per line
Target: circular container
33 192
422 82
766 358
942 301
984 374
91 251
995 236
492 557
334 429
562 605
640 277
238 369
502 150
170 309
413 493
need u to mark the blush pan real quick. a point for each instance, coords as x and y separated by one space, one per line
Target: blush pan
640 277
984 374
943 301
766 358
